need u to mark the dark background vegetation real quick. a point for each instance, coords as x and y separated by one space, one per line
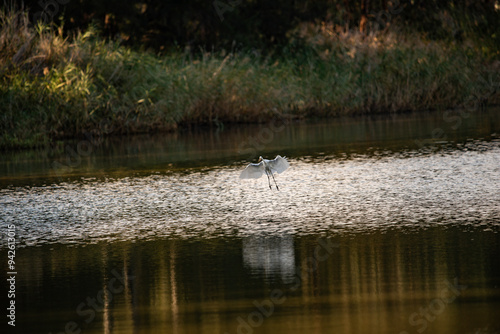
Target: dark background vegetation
265 24
71 67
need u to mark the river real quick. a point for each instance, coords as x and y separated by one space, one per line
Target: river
382 224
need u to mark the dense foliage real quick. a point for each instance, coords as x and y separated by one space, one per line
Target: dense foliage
263 23
76 67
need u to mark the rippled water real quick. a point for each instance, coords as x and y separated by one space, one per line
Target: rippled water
317 196
377 220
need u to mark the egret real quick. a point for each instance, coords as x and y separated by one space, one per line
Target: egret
255 171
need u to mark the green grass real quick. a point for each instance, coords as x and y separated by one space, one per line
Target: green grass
54 87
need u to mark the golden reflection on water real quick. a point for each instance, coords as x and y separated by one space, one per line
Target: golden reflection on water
377 282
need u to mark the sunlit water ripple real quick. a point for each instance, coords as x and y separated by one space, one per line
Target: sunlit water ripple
317 195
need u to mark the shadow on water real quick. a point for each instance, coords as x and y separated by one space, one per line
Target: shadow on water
381 225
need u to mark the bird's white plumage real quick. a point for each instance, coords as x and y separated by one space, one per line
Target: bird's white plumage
278 164
255 171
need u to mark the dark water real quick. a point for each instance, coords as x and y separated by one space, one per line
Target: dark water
385 224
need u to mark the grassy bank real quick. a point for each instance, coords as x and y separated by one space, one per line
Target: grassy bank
55 87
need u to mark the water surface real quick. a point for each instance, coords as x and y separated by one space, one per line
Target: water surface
386 224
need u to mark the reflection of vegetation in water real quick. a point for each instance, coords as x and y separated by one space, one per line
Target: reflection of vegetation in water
184 281
343 138
60 86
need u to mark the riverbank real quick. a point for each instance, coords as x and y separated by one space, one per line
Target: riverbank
54 87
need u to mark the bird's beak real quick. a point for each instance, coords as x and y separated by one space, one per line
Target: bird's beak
260 159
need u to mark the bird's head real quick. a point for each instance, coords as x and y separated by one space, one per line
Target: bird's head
260 159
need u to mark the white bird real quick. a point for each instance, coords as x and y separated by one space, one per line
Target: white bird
255 171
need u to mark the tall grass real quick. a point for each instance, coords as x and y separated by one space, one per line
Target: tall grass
54 87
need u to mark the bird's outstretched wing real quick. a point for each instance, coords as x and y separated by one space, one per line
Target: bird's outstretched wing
278 164
253 171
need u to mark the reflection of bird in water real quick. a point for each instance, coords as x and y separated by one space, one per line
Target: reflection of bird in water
271 257
255 171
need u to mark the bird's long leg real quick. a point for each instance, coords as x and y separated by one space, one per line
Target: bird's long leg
268 180
274 181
